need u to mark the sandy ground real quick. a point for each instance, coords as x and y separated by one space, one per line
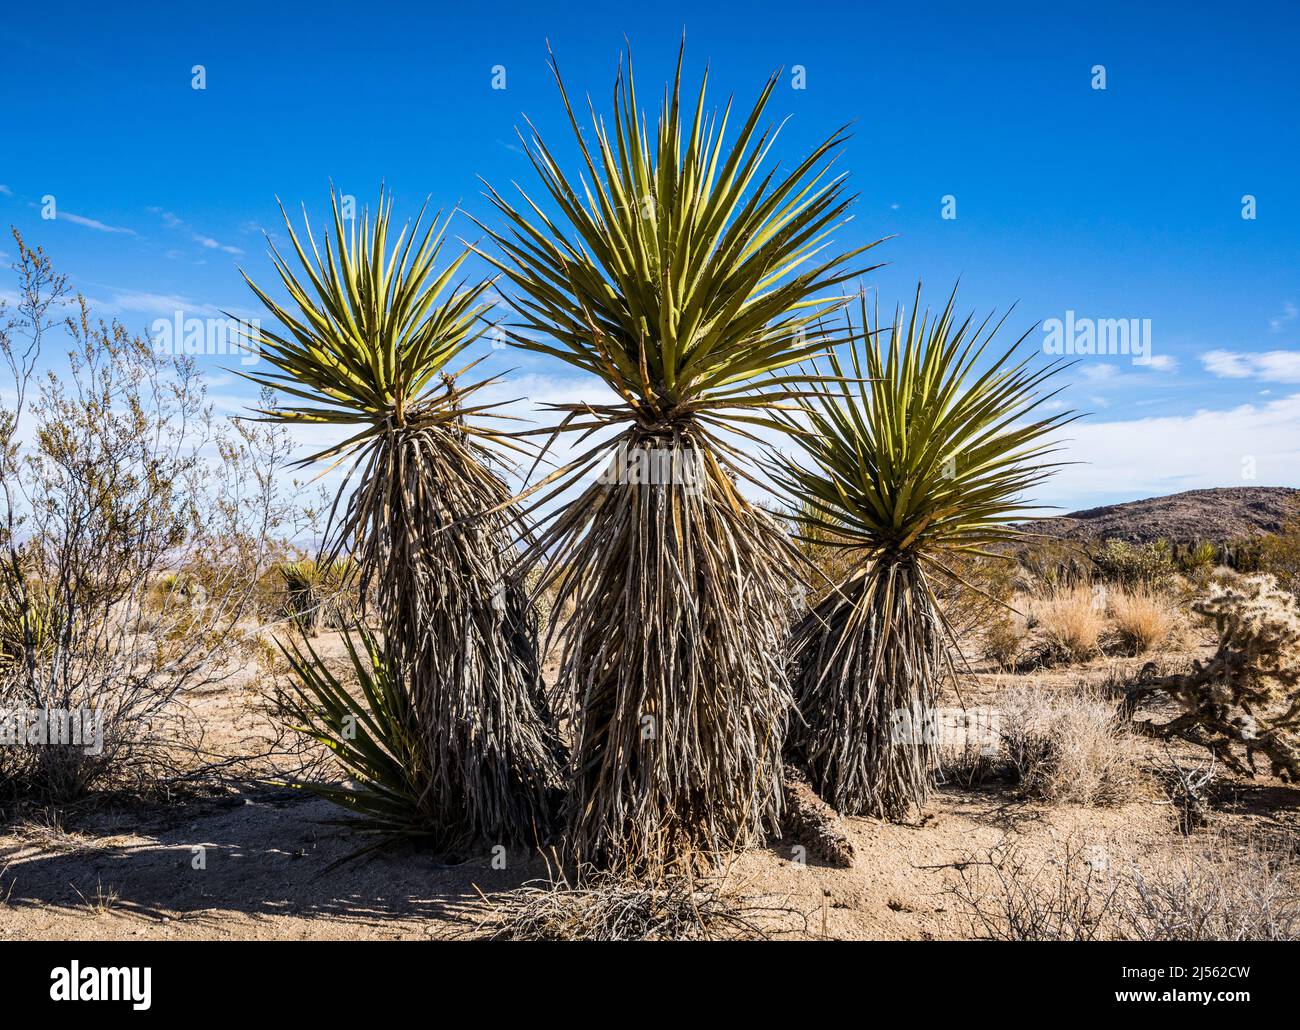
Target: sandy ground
256 866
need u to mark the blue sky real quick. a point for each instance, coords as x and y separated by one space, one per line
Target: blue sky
1113 204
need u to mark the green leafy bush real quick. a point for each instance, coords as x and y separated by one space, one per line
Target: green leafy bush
1125 564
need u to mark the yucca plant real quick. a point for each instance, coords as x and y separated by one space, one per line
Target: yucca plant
921 452
687 278
311 592
378 741
367 341
29 621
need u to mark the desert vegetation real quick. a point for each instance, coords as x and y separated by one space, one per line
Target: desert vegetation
758 648
454 692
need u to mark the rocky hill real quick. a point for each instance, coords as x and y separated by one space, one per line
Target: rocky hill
1224 513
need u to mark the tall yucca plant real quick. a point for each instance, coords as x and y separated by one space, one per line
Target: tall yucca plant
923 451
369 334
687 278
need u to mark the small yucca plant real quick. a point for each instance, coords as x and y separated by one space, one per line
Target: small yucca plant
920 452
369 336
311 592
376 738
28 623
687 280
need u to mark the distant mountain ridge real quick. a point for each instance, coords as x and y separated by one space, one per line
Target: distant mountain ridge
1220 514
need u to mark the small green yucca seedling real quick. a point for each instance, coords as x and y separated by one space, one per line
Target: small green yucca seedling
27 620
309 586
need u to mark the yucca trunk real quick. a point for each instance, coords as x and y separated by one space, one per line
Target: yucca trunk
461 635
868 663
672 660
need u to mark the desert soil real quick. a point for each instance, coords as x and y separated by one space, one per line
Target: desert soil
131 873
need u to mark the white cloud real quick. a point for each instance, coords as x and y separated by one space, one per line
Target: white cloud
173 221
1097 373
92 223
6 190
1162 363
1289 314
1274 366
1161 455
211 244
160 303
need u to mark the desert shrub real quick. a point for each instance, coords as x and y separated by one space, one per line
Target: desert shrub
1046 565
1068 746
1008 896
979 593
1275 554
1216 893
1072 622
1125 564
609 908
1210 892
1004 638
105 488
1143 618
1248 693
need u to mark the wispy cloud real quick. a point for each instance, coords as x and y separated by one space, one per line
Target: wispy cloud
211 244
93 223
5 190
171 220
1274 366
1097 373
1289 314
161 304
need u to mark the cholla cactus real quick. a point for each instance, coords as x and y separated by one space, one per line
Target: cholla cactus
1249 692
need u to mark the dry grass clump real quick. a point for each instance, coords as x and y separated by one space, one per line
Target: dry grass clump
1212 892
608 907
1217 893
1143 619
1069 746
1004 638
1072 621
